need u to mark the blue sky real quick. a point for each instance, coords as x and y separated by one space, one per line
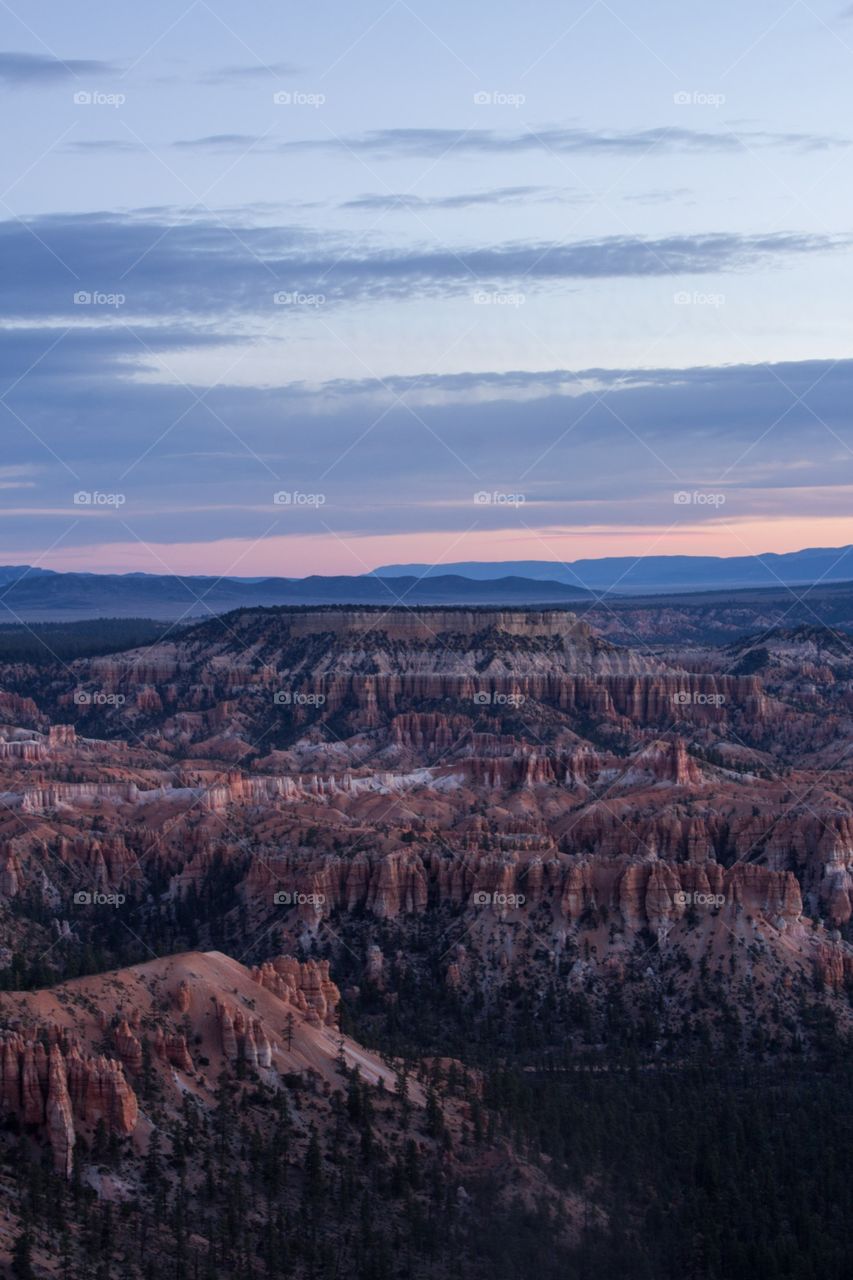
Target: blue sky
387 258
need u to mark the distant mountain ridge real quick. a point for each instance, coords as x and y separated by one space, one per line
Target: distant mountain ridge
629 575
35 594
40 595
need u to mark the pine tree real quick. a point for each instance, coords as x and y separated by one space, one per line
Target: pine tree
313 1169
22 1256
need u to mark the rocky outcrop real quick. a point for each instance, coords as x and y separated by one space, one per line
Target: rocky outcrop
665 761
57 795
58 1116
62 735
834 968
637 889
10 873
227 1035
58 1090
374 966
425 624
16 709
99 1091
128 1048
373 666
400 886
27 750
243 1038
308 987
172 1046
428 733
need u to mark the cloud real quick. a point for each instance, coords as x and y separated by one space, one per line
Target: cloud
387 144
750 388
665 195
465 199
588 447
95 387
206 271
246 73
104 146
60 358
20 69
222 142
499 196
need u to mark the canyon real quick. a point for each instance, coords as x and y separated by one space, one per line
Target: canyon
388 764
235 856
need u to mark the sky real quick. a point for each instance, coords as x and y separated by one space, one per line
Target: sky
292 289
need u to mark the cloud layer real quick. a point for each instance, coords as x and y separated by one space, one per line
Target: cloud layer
387 144
22 69
210 269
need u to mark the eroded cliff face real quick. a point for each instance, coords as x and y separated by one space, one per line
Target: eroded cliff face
307 987
605 687
636 893
500 828
278 1018
294 771
46 1083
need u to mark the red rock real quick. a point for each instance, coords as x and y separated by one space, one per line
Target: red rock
227 1037
59 1118
128 1047
308 987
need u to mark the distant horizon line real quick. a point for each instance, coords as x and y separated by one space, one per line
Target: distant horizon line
403 568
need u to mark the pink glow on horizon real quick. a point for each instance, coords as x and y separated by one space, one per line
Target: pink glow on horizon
299 556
